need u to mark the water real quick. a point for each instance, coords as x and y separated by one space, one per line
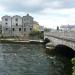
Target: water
29 59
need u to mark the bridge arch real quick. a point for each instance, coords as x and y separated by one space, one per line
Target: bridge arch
63 55
64 50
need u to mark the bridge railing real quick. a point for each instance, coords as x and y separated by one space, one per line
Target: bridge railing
64 34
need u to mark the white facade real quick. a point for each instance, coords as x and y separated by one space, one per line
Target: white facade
6 25
16 25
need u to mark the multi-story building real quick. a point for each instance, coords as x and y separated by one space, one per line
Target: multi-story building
6 25
16 26
27 24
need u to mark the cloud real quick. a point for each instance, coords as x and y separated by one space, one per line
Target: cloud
49 13
22 5
56 17
36 5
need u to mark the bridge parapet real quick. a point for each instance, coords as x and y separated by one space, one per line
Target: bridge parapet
57 38
65 34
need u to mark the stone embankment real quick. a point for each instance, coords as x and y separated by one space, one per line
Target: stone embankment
20 41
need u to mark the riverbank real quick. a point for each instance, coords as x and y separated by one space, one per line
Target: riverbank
20 41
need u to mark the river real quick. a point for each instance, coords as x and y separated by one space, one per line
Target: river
29 59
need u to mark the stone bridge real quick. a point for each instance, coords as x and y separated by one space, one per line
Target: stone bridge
63 37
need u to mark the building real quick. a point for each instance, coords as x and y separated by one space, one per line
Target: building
17 25
67 27
27 24
6 25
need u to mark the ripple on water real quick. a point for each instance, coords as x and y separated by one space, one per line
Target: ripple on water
28 59
23 60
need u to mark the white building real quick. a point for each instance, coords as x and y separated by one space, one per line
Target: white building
16 25
6 25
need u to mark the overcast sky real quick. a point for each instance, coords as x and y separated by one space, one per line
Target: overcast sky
49 13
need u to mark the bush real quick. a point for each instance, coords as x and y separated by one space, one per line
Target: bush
46 40
73 62
37 33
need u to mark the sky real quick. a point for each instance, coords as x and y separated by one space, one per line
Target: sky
49 13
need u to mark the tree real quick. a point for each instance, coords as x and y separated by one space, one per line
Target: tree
37 34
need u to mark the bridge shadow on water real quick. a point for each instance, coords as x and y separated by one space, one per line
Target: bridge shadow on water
63 55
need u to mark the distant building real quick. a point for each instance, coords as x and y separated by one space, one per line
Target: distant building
67 27
42 28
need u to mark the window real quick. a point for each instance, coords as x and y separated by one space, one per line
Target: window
6 19
24 29
13 29
6 28
16 19
16 24
30 28
19 29
6 23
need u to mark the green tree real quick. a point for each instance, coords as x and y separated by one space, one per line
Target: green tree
37 34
